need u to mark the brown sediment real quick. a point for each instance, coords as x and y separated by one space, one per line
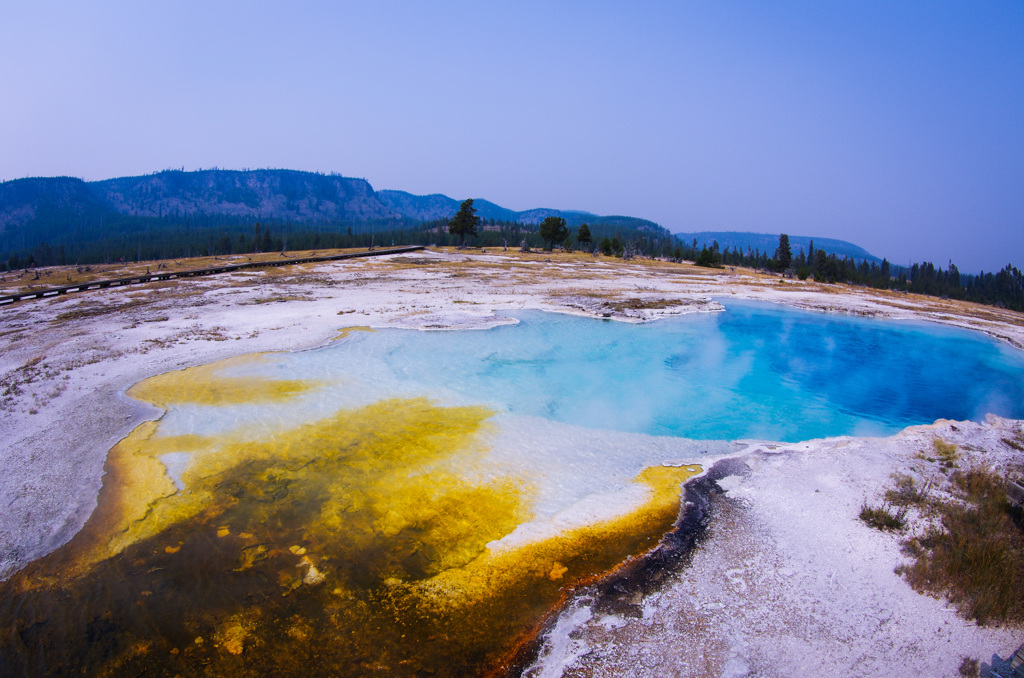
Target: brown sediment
349 545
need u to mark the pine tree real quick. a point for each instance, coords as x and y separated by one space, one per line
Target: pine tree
708 257
583 236
553 230
783 255
464 223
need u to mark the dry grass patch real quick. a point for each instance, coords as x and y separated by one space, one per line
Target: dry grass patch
638 304
413 262
591 294
964 537
943 452
194 332
275 298
907 492
14 384
946 452
975 558
84 311
57 276
1017 442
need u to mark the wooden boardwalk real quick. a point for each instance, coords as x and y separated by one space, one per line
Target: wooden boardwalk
9 299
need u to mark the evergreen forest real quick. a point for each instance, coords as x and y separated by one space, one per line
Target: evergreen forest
1004 289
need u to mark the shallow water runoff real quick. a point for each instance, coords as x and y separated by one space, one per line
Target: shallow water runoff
415 503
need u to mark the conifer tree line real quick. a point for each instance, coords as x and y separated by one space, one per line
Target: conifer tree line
1004 289
131 238
152 238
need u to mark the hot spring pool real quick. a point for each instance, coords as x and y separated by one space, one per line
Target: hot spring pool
756 370
416 502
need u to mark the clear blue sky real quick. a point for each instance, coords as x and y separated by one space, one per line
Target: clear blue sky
896 125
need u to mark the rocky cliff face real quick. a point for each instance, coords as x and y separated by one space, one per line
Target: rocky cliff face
271 194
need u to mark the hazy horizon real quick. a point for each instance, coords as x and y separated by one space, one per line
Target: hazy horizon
899 128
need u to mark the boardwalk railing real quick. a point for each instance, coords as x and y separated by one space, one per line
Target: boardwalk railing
170 275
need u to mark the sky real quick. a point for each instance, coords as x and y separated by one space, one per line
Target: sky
898 126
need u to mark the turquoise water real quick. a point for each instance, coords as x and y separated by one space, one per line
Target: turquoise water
756 370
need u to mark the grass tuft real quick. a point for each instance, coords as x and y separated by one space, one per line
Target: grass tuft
882 518
1015 444
906 492
946 452
969 668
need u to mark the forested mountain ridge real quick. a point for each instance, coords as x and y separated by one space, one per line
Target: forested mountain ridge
286 195
64 211
25 200
437 206
70 210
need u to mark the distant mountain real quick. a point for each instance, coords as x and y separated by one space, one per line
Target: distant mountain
437 206
64 211
285 195
422 207
766 242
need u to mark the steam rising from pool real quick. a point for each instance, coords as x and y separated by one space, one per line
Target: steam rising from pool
754 371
